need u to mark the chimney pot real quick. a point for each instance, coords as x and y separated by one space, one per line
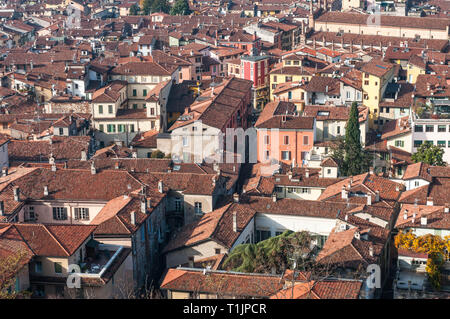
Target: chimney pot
16 194
236 197
430 201
274 198
423 221
45 190
133 218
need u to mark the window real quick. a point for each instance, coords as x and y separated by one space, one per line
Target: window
59 213
286 140
135 106
58 268
262 235
61 131
418 128
185 141
198 208
31 214
38 267
417 143
131 128
144 92
275 78
100 109
366 82
266 139
399 143
152 111
305 140
134 92
328 171
441 128
217 251
429 128
111 128
268 154
101 128
288 79
306 190
338 130
120 128
178 205
110 109
441 143
286 155
81 213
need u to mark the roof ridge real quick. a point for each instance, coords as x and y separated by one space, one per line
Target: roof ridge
56 239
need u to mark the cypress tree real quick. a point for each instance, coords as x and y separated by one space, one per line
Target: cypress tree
355 158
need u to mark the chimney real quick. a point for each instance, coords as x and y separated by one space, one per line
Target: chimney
93 170
133 218
357 235
290 175
274 197
423 221
149 203
2 208
53 167
234 222
430 201
371 170
45 190
307 173
446 208
405 215
397 188
344 193
369 199
191 263
160 186
236 197
371 251
143 206
377 196
4 171
16 194
134 155
416 200
83 155
116 165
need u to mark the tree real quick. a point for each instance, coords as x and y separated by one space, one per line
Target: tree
157 154
349 153
430 154
134 9
147 6
160 6
270 255
353 149
9 267
181 7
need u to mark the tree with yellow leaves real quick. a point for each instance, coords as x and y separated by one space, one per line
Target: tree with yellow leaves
436 247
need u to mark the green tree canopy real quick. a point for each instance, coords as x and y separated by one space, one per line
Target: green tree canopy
349 153
430 154
147 6
134 9
275 253
160 6
181 7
